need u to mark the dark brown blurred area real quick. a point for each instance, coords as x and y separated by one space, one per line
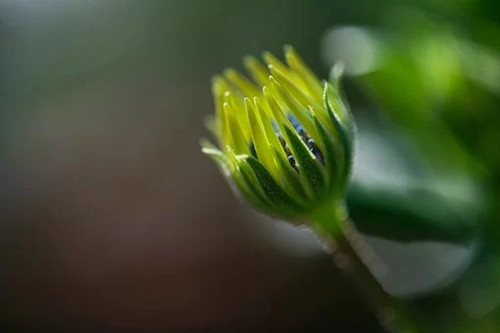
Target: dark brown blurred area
117 223
111 218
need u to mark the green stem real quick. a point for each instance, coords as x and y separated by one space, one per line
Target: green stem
354 255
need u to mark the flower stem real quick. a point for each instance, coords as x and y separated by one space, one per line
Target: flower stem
354 255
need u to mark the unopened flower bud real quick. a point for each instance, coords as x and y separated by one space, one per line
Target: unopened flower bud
284 138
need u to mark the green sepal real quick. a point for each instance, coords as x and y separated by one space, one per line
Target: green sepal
345 137
330 152
209 149
247 184
332 93
310 171
290 177
283 204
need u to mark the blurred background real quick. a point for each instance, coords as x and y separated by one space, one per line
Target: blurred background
113 221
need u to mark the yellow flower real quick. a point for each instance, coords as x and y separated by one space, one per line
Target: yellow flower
285 138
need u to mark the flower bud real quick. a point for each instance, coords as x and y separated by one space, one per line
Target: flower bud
285 138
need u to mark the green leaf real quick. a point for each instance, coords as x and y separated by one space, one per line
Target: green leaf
414 215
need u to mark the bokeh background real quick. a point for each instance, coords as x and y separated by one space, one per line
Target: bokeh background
113 221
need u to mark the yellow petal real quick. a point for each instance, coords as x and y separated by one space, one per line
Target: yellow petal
258 72
297 64
238 112
302 96
235 140
259 138
300 113
242 83
273 61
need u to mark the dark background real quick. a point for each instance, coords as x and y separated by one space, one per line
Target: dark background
111 220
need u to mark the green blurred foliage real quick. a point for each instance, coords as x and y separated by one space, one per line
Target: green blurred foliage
433 72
